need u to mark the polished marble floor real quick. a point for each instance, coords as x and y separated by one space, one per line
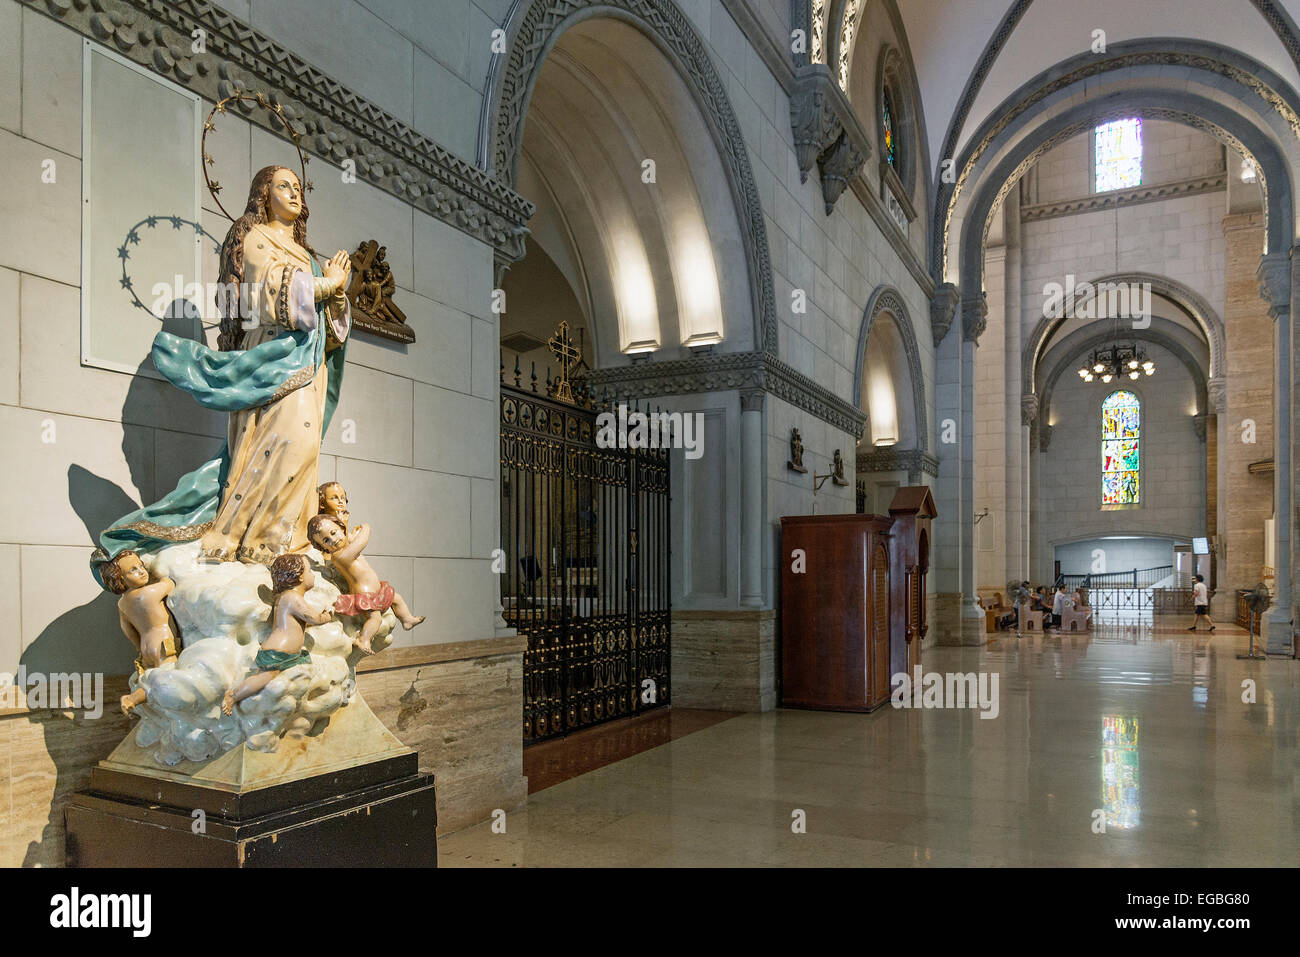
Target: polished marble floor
1143 728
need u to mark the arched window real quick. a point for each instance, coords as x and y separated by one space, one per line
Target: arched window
889 131
1118 151
1121 427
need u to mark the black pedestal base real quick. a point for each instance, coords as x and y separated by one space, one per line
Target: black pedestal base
380 814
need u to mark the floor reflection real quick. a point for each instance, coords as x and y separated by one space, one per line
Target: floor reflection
943 787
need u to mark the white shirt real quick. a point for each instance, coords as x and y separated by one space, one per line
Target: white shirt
1060 602
1200 594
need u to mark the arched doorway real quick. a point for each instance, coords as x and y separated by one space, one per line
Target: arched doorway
1219 93
611 126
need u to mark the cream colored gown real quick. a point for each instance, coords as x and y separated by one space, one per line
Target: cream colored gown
270 491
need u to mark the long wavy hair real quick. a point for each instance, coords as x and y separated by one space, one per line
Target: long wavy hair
257 210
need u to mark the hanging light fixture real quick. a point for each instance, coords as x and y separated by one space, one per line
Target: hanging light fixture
1115 362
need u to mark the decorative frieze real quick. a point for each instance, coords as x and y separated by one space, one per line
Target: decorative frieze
741 371
898 460
335 123
1125 197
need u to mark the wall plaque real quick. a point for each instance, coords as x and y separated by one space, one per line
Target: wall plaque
371 294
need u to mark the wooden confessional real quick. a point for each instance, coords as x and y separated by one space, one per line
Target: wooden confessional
853 602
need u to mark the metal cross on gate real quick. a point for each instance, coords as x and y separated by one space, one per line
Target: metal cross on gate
561 345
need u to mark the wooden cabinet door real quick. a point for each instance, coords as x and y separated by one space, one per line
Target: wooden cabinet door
880 625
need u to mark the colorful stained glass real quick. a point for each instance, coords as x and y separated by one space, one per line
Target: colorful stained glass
1121 426
891 141
1119 154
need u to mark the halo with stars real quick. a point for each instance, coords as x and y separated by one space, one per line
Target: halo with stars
262 100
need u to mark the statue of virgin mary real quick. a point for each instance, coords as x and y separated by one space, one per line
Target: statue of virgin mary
278 369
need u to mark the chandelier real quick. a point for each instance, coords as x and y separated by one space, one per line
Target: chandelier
1115 362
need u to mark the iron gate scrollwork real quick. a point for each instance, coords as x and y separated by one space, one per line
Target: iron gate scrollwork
584 530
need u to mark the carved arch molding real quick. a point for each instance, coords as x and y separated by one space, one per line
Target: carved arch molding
534 29
335 123
888 299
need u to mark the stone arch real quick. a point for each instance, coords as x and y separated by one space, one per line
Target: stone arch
888 299
1191 303
1220 91
846 16
1276 17
1189 110
534 28
1162 333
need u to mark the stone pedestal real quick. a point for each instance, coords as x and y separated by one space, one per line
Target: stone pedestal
380 814
350 795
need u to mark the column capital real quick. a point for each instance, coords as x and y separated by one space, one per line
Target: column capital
1028 408
1274 276
1217 392
974 316
1198 424
943 305
751 400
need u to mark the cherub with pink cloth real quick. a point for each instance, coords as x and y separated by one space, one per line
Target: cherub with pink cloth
367 594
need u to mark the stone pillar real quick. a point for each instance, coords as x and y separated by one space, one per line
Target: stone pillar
1223 604
1014 564
1241 395
752 476
1028 414
997 461
947 546
1275 283
974 317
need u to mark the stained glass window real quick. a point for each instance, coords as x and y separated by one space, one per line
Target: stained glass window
1119 154
891 139
1121 426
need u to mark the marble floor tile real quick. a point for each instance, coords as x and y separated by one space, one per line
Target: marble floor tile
1150 730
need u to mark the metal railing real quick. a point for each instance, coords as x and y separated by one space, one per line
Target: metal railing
1135 578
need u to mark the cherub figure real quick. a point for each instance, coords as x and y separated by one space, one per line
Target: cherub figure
368 595
143 615
291 579
334 503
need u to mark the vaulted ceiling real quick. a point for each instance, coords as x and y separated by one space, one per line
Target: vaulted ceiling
949 40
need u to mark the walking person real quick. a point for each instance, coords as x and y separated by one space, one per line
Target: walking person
1201 599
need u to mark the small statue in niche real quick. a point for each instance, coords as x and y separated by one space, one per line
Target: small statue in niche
371 293
796 452
143 615
334 503
837 469
368 595
291 579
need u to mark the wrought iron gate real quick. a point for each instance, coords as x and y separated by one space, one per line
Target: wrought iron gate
584 530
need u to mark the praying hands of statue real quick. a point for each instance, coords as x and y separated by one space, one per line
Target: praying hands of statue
337 270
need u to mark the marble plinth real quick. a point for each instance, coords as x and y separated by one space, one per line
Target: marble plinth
458 705
380 813
725 660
